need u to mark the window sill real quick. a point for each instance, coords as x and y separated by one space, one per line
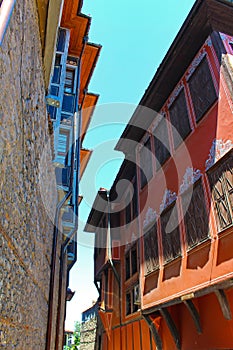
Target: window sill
200 244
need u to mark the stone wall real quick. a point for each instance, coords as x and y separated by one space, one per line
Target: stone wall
88 334
27 186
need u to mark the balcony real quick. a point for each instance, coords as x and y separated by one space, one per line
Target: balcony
62 176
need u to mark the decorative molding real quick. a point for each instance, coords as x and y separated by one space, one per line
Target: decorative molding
218 149
168 198
197 60
150 217
175 93
190 177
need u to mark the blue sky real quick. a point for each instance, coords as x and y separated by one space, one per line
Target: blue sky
135 36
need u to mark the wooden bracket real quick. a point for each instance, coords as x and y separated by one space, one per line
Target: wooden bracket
224 304
172 327
194 313
154 332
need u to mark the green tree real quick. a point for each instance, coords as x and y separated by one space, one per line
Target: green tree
76 337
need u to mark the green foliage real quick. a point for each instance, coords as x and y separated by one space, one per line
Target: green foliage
76 337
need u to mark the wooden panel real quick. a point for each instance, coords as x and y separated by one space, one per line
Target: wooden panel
129 337
202 89
146 338
42 11
117 339
136 336
123 337
89 59
78 25
89 103
84 158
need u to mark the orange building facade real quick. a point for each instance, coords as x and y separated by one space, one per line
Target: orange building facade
164 236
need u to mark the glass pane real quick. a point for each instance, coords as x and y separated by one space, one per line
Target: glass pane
179 119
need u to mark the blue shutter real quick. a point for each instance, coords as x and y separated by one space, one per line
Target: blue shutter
57 83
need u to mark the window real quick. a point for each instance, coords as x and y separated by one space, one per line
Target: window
131 302
170 234
221 183
57 70
146 163
161 143
131 262
196 219
63 142
179 119
202 89
61 40
151 254
69 80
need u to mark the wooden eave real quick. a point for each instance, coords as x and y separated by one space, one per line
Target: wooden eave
126 172
205 17
85 155
71 9
96 213
89 59
49 15
42 6
79 27
89 102
80 198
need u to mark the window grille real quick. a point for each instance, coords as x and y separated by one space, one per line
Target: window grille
179 119
196 218
151 254
170 240
161 143
221 183
202 89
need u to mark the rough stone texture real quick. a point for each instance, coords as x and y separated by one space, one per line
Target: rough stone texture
88 334
27 186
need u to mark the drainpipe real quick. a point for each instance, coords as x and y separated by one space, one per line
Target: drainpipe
75 168
6 9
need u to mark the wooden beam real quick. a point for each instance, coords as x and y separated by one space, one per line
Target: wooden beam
195 315
172 327
154 332
224 304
